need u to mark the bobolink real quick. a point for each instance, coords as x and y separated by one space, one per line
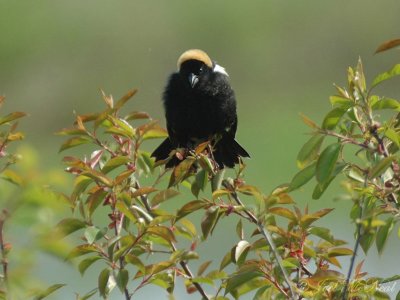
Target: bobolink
200 106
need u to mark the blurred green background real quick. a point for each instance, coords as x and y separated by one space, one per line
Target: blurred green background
282 57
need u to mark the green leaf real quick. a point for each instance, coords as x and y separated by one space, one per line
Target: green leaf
386 103
389 279
123 208
381 167
263 293
115 162
393 136
80 184
190 207
181 171
73 142
49 291
241 278
309 151
187 228
209 220
333 118
163 232
81 250
383 233
323 233
134 260
72 131
386 75
366 241
11 117
291 263
95 199
11 176
156 132
342 102
320 188
219 193
302 177
69 225
308 219
92 234
98 176
120 127
88 295
122 279
327 162
339 252
359 78
123 176
239 230
202 179
163 196
102 282
203 267
86 263
226 260
283 212
251 285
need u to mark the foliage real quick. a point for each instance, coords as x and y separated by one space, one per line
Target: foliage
286 256
24 202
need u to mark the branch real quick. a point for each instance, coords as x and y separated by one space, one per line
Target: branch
344 138
266 236
183 264
4 261
117 229
357 243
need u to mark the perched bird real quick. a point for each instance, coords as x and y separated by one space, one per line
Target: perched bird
200 106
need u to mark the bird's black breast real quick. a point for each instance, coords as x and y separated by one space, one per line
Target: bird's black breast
199 112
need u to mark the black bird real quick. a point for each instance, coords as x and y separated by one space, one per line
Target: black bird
200 106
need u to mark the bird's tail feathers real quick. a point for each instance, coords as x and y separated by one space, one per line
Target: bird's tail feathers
228 151
163 152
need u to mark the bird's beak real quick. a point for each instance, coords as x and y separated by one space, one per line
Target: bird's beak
193 79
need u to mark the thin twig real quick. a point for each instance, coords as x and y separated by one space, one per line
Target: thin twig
266 236
357 243
4 261
117 229
344 138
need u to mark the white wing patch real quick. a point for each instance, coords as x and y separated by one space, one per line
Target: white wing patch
219 69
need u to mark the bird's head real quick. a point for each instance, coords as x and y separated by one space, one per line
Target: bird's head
195 65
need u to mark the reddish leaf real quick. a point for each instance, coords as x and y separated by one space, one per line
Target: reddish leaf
144 191
11 117
163 196
283 212
136 115
121 102
388 45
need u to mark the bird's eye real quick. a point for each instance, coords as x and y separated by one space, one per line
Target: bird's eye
201 69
